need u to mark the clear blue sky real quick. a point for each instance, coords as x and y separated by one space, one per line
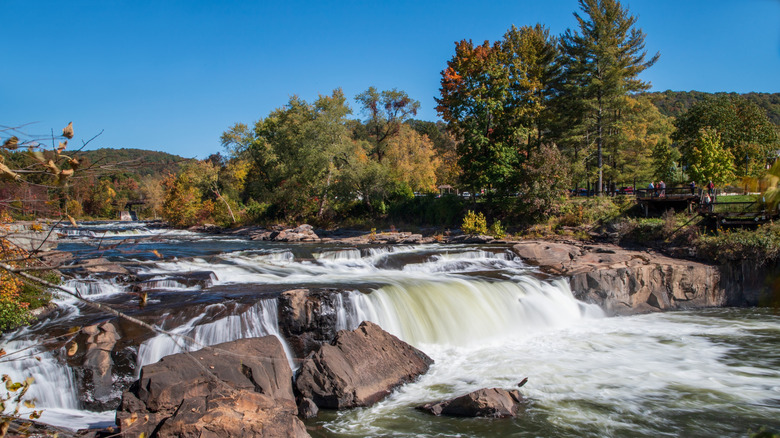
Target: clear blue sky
173 75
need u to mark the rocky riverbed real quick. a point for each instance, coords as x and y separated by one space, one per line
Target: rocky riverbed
335 365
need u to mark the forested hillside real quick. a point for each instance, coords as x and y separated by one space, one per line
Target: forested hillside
673 103
135 161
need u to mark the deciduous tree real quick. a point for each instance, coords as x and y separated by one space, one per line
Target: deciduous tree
708 159
386 112
473 101
743 128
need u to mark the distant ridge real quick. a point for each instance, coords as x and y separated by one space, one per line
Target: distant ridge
673 103
135 161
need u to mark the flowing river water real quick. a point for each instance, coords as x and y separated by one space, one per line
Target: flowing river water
486 319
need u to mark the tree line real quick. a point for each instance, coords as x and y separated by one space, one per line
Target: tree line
525 119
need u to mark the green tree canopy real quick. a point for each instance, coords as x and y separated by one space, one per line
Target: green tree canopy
708 159
743 128
602 63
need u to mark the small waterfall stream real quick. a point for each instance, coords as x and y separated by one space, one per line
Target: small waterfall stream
260 320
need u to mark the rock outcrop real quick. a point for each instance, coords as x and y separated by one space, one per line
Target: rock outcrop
239 388
359 368
493 402
90 353
302 233
100 342
626 282
307 319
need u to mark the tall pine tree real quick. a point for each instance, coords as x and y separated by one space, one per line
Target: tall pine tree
602 63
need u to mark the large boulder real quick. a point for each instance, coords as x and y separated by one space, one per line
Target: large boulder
493 402
100 342
359 368
624 281
91 354
308 318
552 257
239 388
234 413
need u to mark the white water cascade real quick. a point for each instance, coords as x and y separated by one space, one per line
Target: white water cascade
259 320
463 311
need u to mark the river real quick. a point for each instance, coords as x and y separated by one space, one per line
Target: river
486 319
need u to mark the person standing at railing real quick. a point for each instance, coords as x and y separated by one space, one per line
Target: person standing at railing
693 188
710 188
662 188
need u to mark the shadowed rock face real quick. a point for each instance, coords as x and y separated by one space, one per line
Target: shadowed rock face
493 402
307 319
359 368
625 282
239 388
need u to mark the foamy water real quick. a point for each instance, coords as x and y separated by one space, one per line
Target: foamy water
487 322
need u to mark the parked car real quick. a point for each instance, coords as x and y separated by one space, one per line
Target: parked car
580 192
626 191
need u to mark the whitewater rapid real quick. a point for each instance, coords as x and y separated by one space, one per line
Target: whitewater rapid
486 319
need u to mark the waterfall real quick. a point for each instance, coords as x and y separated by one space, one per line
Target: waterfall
260 320
340 255
54 386
460 311
93 288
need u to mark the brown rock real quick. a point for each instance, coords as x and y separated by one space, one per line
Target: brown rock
624 281
234 414
97 364
548 255
307 319
102 266
494 402
192 394
359 368
307 408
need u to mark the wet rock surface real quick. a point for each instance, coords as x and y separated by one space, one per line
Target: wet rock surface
492 402
625 281
92 356
238 388
359 368
307 318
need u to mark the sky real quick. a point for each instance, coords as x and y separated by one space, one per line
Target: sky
172 76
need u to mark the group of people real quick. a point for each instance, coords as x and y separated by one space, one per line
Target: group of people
658 189
709 197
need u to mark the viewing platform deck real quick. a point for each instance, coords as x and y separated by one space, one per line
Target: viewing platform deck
718 211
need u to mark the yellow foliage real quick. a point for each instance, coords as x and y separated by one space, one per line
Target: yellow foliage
413 158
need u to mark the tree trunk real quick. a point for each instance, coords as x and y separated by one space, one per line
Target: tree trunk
230 210
599 142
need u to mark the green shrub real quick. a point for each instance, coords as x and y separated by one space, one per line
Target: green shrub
761 246
497 231
474 223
